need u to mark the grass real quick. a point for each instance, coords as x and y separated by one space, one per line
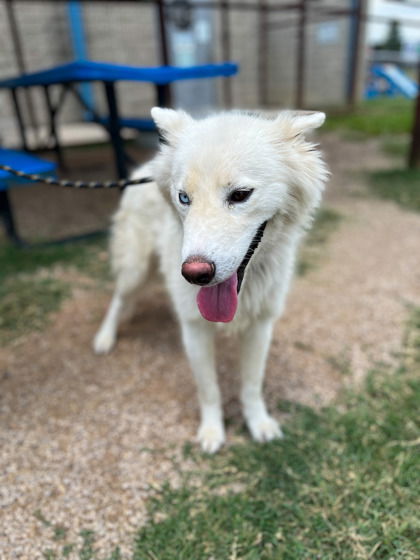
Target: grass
342 484
391 119
29 291
376 117
26 303
399 185
80 254
325 223
396 146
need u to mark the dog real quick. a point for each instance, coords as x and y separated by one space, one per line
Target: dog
232 195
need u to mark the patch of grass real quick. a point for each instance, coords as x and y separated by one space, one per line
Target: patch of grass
341 362
325 223
342 484
84 551
29 292
375 117
396 146
25 304
399 185
80 254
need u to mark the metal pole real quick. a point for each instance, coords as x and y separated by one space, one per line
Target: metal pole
163 45
358 18
262 54
301 56
114 129
226 49
164 51
78 39
414 156
20 61
19 118
6 214
53 128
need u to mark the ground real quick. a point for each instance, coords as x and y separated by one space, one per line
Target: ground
86 440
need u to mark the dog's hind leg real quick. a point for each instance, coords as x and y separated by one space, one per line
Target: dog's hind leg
120 308
255 343
198 339
131 249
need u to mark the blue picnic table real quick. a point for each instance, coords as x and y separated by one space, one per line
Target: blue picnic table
66 77
24 162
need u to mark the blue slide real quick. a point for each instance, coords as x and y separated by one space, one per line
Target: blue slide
389 80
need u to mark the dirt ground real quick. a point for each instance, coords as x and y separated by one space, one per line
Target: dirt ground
85 439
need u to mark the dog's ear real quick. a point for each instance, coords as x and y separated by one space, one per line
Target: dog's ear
170 122
295 123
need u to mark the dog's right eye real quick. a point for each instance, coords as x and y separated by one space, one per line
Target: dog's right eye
184 198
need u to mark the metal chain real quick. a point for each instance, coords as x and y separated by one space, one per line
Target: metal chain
120 184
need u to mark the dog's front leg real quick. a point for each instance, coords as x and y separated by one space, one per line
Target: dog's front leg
255 343
198 340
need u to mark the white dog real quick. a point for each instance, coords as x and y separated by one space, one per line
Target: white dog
233 194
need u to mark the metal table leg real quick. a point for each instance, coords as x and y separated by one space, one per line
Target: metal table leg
114 129
164 95
53 128
6 214
19 118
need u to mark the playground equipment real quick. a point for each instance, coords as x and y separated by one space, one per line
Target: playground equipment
389 80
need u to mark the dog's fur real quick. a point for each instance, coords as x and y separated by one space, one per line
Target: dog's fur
207 159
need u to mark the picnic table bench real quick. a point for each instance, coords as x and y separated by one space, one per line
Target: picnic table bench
24 162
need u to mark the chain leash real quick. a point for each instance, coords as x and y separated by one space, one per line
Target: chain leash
120 184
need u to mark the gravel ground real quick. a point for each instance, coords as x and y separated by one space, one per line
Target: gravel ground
84 439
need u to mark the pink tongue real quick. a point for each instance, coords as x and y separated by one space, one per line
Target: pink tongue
218 303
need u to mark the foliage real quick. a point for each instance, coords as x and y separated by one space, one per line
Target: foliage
393 40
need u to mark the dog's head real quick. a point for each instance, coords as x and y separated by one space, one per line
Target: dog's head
227 176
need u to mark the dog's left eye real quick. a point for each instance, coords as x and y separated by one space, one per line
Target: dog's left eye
240 195
184 198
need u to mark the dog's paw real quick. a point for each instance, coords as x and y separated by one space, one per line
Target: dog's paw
211 437
265 428
103 342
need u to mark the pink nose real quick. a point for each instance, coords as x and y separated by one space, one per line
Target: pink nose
198 271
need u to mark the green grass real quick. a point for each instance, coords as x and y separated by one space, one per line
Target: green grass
325 223
399 185
343 484
26 303
396 146
385 116
29 292
81 254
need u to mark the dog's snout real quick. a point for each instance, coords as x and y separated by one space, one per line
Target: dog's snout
198 270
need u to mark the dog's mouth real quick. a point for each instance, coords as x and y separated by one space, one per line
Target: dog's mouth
219 303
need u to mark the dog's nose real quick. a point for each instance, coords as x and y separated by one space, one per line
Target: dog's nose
198 270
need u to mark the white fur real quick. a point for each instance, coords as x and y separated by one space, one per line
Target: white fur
207 159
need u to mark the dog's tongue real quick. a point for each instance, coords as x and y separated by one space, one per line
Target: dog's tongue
218 303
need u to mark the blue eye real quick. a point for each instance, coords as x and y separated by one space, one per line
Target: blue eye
184 198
